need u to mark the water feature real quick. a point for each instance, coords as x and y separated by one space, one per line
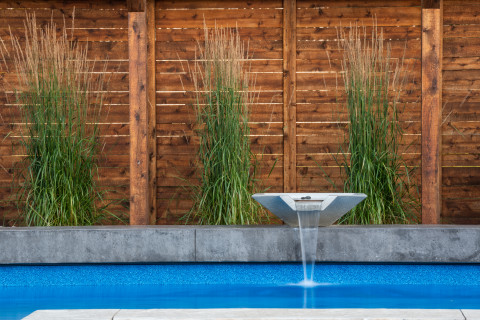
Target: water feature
307 212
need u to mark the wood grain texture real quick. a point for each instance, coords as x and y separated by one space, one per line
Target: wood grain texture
136 5
431 115
139 158
151 111
289 95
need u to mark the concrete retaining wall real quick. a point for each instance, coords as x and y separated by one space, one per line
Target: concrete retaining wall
156 244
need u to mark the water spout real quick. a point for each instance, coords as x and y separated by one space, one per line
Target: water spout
308 212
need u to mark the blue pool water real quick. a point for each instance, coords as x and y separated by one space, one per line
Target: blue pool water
24 289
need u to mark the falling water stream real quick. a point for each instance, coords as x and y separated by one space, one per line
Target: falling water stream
308 216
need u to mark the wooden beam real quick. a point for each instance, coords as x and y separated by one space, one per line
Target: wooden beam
432 36
289 95
431 4
136 5
139 159
151 110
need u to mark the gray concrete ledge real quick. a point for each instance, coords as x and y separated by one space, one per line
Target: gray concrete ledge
258 314
157 244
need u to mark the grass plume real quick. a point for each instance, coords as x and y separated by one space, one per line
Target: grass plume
227 166
59 106
373 162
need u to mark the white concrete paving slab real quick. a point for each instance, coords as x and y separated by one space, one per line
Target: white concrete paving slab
290 314
78 314
471 314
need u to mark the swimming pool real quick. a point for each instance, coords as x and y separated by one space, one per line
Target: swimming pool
24 289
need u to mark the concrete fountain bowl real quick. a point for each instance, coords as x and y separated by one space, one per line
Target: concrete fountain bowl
332 206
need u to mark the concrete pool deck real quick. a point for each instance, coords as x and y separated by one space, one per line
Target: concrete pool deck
257 314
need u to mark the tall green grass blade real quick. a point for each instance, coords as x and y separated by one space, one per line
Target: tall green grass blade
372 162
226 164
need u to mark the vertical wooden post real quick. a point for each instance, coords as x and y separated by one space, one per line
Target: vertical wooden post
151 112
139 160
432 36
289 95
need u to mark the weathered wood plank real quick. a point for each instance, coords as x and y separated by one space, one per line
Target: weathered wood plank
461 63
84 18
217 4
139 158
461 47
151 110
431 114
389 32
63 4
289 95
337 17
243 18
462 31
461 14
136 5
314 4
177 82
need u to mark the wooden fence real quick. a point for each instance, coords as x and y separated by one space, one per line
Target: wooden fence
298 121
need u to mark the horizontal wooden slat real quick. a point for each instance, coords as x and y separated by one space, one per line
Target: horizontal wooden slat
461 14
185 114
460 159
243 18
337 17
185 67
84 18
115 113
168 82
20 129
268 52
461 211
335 112
329 128
218 4
461 192
332 81
119 81
363 3
462 63
80 35
247 35
461 47
333 160
331 143
329 33
184 129
188 145
63 4
460 176
462 31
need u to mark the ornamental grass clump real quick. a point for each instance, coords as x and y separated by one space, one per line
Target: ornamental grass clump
227 167
59 102
373 162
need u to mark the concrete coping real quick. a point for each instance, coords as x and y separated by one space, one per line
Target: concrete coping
257 314
159 244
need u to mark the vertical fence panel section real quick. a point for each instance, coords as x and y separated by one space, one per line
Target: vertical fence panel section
461 116
151 112
139 158
180 29
431 110
102 27
321 113
289 95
